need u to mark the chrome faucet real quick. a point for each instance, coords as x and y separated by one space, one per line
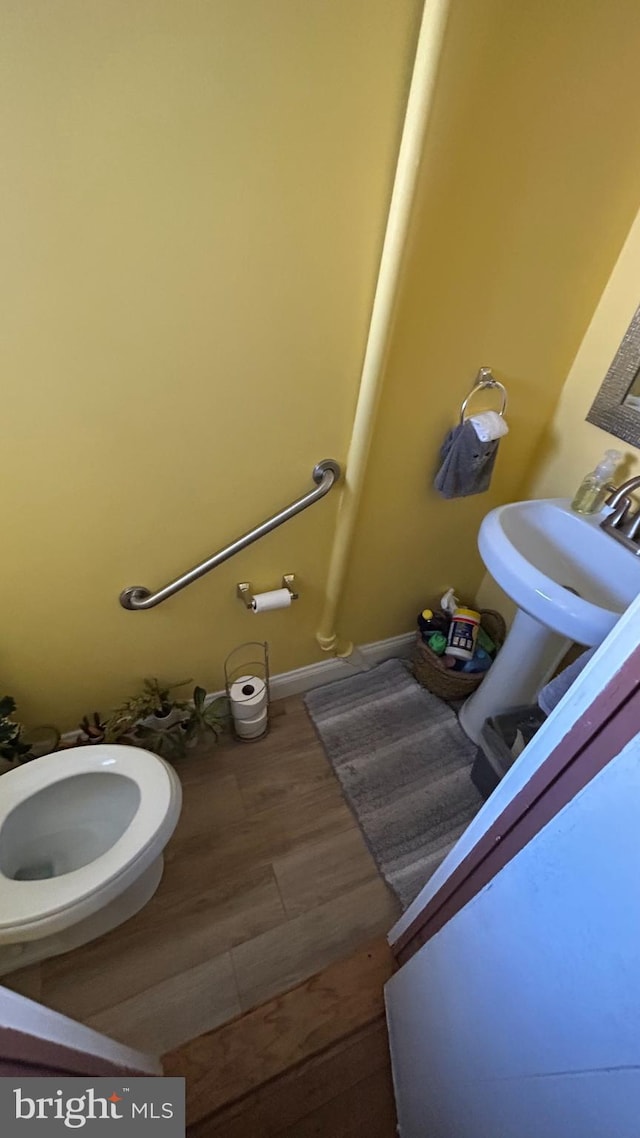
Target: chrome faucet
623 523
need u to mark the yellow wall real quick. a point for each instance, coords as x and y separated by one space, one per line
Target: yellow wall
194 202
193 205
571 447
530 182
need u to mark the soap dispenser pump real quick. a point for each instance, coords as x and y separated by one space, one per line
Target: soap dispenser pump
592 491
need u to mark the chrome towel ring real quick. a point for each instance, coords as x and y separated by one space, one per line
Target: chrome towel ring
483 381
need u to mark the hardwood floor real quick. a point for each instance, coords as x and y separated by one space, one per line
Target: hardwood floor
267 880
314 1061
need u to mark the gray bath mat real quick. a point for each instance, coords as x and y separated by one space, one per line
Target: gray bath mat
403 762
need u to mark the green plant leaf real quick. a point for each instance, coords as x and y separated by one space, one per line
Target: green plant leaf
7 706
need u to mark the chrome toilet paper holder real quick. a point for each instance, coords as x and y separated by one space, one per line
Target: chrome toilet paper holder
245 592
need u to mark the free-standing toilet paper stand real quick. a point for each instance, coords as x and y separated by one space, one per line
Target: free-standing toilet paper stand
246 674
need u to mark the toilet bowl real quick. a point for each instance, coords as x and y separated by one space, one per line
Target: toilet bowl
81 839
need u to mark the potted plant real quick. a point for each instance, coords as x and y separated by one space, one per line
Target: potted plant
92 730
11 747
154 719
165 712
205 720
18 745
152 709
168 742
42 740
199 720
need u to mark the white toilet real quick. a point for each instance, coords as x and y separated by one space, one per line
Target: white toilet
81 839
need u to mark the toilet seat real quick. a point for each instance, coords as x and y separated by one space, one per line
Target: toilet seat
25 902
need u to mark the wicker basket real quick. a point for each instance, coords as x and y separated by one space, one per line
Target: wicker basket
433 674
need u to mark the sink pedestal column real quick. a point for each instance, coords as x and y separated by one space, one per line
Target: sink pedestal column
527 660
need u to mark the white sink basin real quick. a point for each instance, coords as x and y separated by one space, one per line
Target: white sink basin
542 554
570 581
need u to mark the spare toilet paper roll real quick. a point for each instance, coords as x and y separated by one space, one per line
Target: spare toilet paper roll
276 599
248 696
251 728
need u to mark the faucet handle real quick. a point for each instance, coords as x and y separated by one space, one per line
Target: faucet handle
631 525
618 515
617 495
624 489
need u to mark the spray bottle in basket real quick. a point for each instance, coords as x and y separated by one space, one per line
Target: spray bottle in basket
463 633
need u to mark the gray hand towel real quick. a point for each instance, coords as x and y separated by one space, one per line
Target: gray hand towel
552 693
466 463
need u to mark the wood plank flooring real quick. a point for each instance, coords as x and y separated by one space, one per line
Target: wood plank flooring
267 880
314 1061
344 1092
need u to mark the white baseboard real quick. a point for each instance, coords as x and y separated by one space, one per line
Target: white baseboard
315 675
336 668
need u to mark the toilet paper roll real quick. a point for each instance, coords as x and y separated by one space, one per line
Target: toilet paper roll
251 728
248 697
276 599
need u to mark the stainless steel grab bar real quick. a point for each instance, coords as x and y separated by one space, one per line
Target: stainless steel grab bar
325 475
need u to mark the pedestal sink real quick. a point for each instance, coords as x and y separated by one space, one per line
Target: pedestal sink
570 581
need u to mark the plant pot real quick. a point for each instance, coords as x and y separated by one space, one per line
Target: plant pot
42 740
85 740
164 722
